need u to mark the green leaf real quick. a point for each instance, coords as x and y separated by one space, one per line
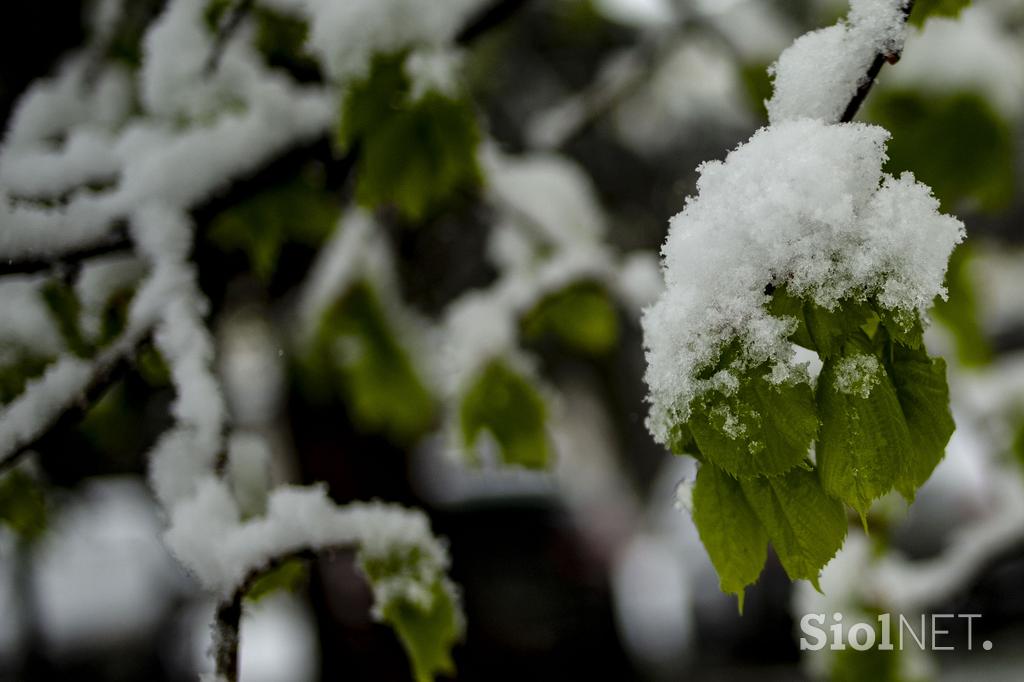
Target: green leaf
924 9
955 143
864 435
22 504
760 429
427 634
730 530
289 576
805 526
428 631
504 403
681 442
923 394
299 211
417 155
818 328
902 326
357 349
581 316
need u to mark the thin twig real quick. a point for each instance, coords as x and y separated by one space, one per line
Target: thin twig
227 28
107 374
228 622
494 15
119 243
869 79
226 627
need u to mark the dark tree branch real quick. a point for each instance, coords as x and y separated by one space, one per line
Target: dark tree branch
228 622
117 243
494 15
106 375
869 78
235 16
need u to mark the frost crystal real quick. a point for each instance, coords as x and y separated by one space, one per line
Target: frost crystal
805 204
857 374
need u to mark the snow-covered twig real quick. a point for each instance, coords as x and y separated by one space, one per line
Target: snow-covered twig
869 80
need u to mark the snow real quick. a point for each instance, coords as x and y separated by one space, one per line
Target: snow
346 35
818 75
27 324
857 374
804 204
355 252
248 470
433 70
209 537
550 194
42 402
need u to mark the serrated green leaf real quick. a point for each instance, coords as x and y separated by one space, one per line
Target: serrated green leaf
357 350
818 328
831 329
504 403
731 532
581 316
902 326
760 429
804 524
22 504
925 9
415 154
920 383
864 436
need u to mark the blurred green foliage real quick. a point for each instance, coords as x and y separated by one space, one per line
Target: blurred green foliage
581 316
964 149
924 9
874 664
504 403
427 633
22 504
959 312
298 211
357 350
416 155
956 143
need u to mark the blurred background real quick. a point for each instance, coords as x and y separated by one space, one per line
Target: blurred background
587 571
